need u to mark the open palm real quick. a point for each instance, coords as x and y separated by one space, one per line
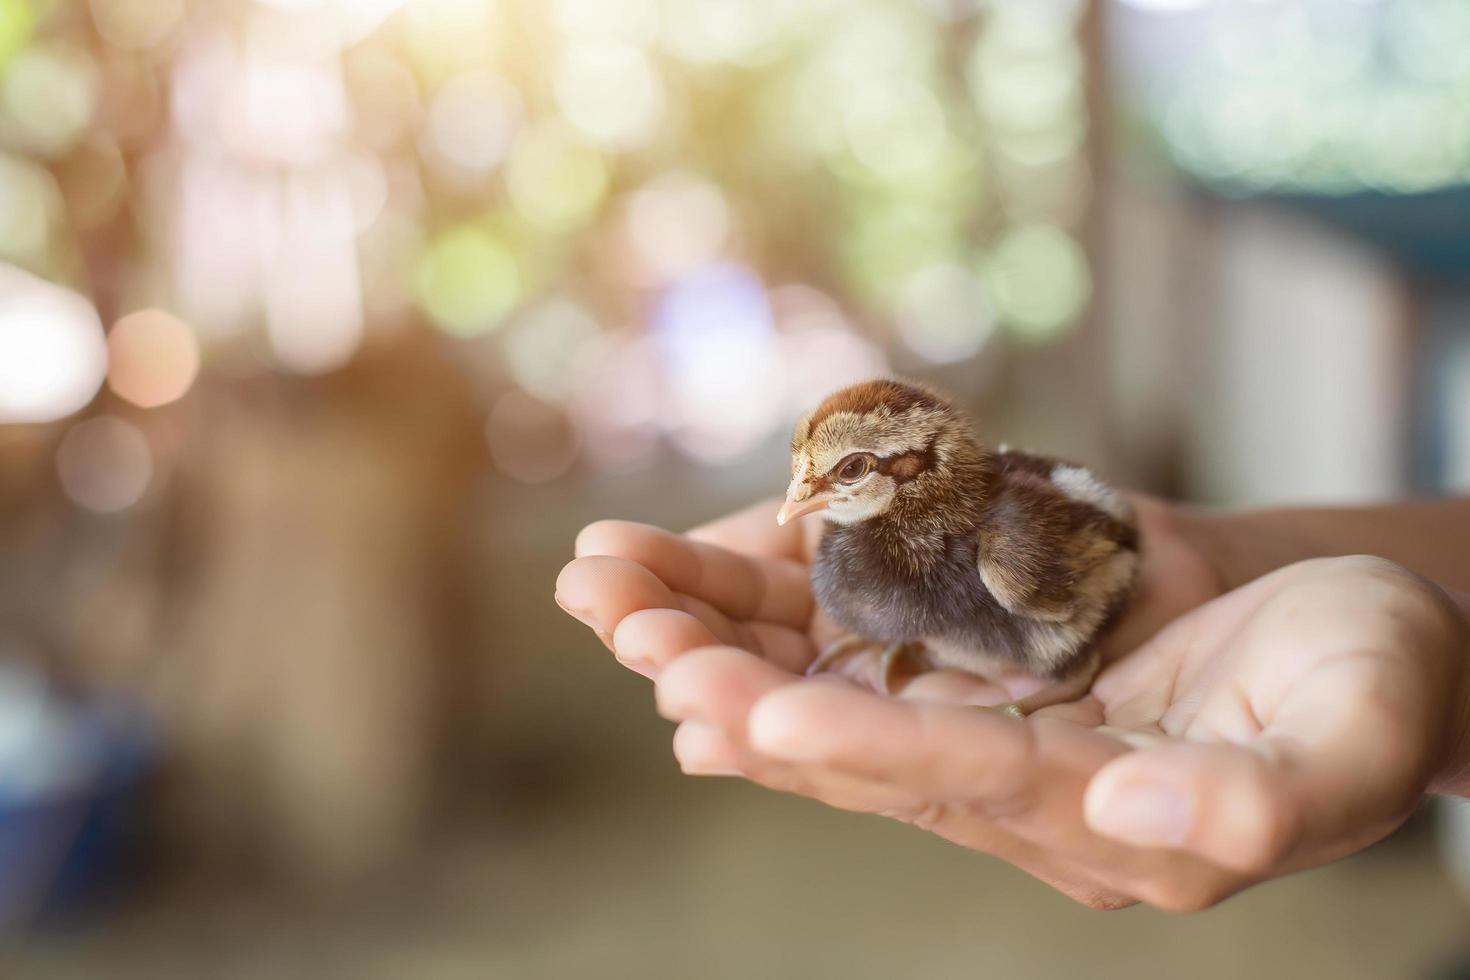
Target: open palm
1274 728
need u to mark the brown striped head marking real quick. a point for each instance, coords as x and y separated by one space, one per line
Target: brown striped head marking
864 443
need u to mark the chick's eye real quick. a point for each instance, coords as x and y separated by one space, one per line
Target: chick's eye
854 469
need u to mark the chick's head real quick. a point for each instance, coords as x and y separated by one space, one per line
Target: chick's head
871 445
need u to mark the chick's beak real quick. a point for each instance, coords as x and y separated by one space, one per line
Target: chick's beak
800 500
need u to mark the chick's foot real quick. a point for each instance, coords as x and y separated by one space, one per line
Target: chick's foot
879 666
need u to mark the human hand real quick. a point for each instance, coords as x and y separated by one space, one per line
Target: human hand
746 581
1291 722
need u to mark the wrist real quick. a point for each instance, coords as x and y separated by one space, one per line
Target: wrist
1453 777
1241 546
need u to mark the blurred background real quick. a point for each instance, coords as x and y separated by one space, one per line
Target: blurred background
324 324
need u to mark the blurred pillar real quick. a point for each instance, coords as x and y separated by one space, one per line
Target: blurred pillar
1303 361
312 635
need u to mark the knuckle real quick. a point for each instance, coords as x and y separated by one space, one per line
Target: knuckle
927 816
1012 801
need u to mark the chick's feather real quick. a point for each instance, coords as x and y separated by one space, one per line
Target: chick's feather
984 558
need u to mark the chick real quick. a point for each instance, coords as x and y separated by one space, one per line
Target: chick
951 555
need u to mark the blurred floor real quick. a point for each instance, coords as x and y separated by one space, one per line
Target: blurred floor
580 851
639 873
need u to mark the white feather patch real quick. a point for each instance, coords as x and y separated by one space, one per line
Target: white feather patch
1081 485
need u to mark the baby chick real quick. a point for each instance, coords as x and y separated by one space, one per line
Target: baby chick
953 555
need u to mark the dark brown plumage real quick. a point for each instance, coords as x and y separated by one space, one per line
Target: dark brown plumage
971 559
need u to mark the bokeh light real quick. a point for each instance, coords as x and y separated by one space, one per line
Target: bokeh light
1167 6
1039 280
447 36
607 185
1307 97
552 347
17 20
287 103
896 129
677 222
105 464
49 94
136 25
472 120
530 441
354 19
717 343
611 92
944 313
468 280
740 31
633 21
619 409
153 358
53 356
554 179
29 204
310 276
817 336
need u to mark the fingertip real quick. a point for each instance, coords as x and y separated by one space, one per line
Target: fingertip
684 683
648 640
565 578
773 728
604 537
664 553
717 685
806 721
703 750
608 588
1218 802
1135 800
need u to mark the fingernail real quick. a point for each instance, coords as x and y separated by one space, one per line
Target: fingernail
587 620
1147 813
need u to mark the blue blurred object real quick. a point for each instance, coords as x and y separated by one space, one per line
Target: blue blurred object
1429 233
69 769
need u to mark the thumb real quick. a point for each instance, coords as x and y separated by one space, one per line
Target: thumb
1224 803
1339 767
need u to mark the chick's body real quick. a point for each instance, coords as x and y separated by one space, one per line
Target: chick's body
990 560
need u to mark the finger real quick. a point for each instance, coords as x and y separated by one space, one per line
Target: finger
1327 755
727 631
771 589
717 746
791 650
703 750
1336 769
940 751
648 639
601 591
953 687
717 686
1220 802
754 531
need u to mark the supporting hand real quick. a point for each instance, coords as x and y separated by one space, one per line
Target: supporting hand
1278 727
